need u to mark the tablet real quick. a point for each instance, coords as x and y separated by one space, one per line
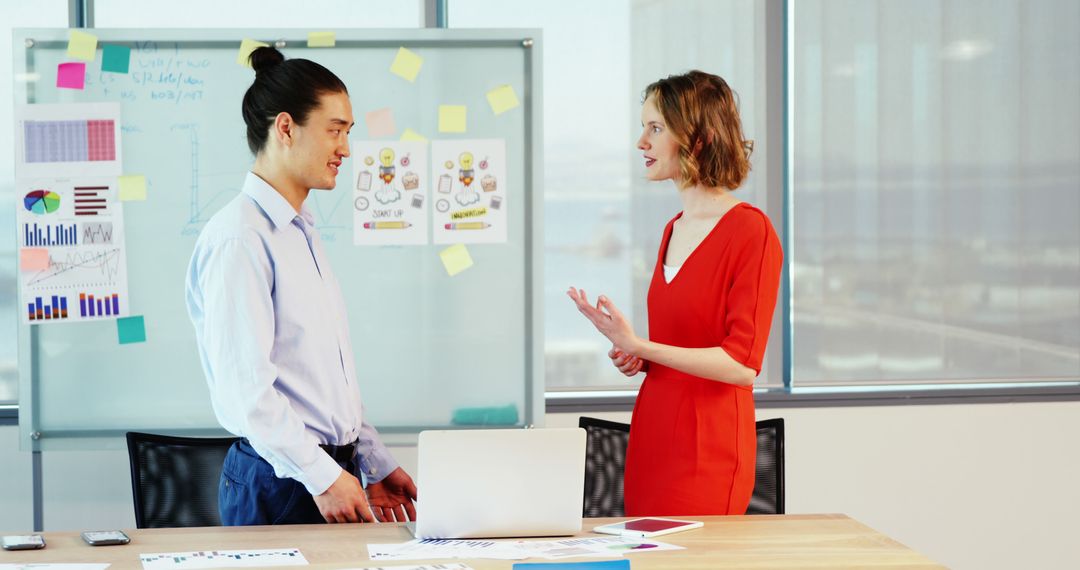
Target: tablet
648 527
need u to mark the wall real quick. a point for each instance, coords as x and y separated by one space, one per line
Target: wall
971 486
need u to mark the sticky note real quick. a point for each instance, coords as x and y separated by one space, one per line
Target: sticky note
380 123
114 58
451 118
455 259
411 135
321 39
406 64
33 259
246 47
132 188
71 75
82 45
130 330
502 99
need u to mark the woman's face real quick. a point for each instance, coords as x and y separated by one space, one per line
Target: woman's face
660 149
319 145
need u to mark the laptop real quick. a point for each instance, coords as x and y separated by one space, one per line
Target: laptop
490 483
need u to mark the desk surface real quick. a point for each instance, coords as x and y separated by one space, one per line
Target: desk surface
825 541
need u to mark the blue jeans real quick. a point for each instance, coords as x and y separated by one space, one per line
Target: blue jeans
250 494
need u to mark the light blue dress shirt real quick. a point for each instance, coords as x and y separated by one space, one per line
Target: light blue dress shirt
273 336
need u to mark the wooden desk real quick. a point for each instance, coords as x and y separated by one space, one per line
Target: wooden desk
781 541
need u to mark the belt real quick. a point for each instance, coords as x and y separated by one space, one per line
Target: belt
340 453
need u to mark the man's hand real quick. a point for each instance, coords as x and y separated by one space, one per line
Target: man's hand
392 498
344 501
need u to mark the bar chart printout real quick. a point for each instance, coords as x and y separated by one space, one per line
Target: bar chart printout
49 308
107 305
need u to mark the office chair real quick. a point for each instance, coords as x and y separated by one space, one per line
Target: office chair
605 458
768 496
174 480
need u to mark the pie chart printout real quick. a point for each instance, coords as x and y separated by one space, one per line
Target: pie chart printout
42 202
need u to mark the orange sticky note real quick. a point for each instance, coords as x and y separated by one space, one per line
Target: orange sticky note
456 259
452 118
33 259
380 123
406 65
502 99
246 47
81 45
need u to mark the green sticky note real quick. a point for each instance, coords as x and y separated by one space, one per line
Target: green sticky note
411 135
246 47
81 45
132 188
130 330
406 65
455 259
452 118
502 99
114 58
321 39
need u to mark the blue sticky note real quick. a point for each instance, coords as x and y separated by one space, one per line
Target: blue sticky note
114 58
622 564
130 330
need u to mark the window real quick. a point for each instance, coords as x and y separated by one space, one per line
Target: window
934 197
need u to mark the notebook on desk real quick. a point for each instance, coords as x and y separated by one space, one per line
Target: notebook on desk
499 483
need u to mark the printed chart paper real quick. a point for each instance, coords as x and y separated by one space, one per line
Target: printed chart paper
64 140
470 198
223 559
391 193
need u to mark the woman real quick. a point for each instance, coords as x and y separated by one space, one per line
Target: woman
270 321
692 439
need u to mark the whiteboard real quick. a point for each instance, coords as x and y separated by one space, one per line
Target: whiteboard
426 345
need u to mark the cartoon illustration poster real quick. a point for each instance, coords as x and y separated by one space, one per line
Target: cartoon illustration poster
470 194
390 193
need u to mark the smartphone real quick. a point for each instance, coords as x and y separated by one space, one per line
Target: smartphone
105 537
28 542
647 527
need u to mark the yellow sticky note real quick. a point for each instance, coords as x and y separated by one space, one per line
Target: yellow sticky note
502 99
321 39
455 259
82 45
246 47
451 118
406 64
411 135
132 188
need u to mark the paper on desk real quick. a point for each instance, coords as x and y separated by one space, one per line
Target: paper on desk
450 566
54 566
421 549
616 545
223 559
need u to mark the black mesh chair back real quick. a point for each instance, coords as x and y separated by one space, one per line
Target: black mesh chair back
605 459
174 480
768 496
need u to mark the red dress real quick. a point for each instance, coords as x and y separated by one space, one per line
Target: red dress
692 441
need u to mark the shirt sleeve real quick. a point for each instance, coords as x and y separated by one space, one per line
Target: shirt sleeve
375 460
235 277
751 299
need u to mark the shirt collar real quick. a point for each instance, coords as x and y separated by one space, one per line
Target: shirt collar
273 204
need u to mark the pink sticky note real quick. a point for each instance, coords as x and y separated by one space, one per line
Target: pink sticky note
34 259
71 75
380 123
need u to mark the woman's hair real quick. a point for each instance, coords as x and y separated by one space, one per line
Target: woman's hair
702 114
290 86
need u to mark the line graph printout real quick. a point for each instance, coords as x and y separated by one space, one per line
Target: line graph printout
80 222
73 139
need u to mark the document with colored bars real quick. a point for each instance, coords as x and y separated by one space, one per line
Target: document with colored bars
73 264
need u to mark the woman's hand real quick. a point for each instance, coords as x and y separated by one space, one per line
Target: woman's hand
626 363
611 323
